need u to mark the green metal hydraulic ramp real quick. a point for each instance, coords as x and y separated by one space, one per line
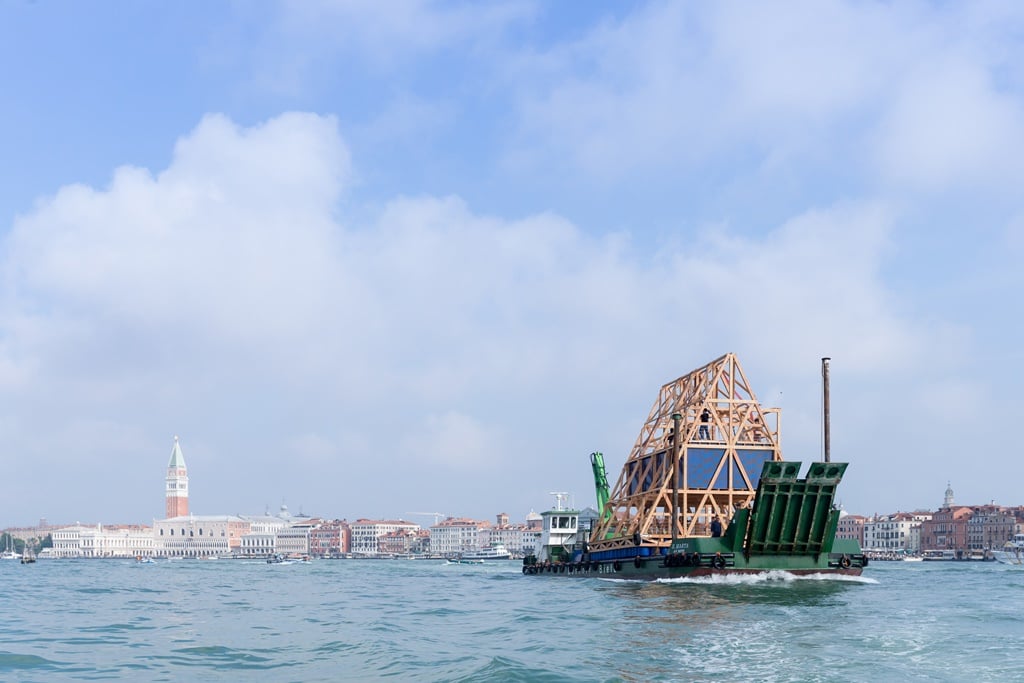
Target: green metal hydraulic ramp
793 516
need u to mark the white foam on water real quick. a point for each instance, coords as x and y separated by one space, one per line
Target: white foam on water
775 576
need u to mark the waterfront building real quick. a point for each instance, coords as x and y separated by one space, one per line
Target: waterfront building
176 494
261 538
294 538
366 533
852 526
990 527
110 541
946 530
518 539
199 535
329 539
257 544
456 535
32 534
896 533
534 521
399 542
67 541
421 544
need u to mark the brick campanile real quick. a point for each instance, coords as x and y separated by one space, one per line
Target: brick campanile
177 483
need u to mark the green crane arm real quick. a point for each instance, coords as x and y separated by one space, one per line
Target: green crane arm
601 485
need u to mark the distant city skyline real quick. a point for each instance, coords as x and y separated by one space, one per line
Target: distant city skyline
175 502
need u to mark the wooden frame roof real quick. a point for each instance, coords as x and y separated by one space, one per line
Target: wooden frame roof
719 460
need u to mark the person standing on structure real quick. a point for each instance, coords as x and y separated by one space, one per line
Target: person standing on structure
716 527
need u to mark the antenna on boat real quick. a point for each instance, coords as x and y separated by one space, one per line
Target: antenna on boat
826 425
560 497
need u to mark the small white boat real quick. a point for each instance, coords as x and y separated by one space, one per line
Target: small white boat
938 555
9 553
1012 552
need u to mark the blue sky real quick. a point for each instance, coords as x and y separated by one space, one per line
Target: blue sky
372 258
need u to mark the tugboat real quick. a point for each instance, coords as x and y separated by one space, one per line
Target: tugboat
705 491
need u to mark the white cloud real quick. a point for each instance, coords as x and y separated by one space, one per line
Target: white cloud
387 32
226 300
295 52
234 241
949 126
919 94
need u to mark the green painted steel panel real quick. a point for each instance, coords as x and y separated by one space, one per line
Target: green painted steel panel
792 515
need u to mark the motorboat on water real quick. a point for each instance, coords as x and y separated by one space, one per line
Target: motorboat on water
496 551
938 555
1012 552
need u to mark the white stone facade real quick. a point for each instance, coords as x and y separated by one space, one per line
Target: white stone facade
199 535
454 536
261 539
366 532
900 533
294 539
99 541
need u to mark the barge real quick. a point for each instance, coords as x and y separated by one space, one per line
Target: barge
705 491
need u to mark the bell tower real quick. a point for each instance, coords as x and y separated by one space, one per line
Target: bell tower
177 483
947 501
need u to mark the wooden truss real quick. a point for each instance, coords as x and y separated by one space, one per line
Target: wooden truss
720 459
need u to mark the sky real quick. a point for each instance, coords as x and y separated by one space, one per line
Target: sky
375 259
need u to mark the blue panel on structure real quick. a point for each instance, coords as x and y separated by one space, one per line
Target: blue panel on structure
737 476
722 482
753 463
701 464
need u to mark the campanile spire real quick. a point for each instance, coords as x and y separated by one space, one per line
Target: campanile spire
177 483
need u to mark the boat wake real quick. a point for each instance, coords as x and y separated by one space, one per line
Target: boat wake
766 577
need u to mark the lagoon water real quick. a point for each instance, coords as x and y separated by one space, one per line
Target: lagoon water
356 620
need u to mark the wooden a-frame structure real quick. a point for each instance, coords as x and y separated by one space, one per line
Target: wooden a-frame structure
719 459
